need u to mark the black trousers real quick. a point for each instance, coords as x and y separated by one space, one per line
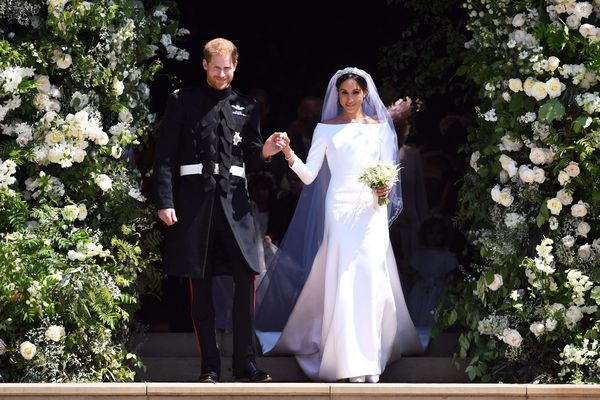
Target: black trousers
223 248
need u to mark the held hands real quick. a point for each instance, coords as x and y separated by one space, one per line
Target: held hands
167 215
275 143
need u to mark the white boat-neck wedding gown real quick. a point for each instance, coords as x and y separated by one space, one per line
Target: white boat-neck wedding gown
350 318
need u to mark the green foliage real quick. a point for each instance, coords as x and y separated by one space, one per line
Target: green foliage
77 238
528 302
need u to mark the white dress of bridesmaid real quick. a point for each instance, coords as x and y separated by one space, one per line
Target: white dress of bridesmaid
350 318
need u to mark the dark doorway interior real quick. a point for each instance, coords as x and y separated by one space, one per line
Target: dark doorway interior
289 49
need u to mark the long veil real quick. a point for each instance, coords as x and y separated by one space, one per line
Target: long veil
278 291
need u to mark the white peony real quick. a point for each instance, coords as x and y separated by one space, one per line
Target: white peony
103 181
583 228
554 206
55 333
528 85
538 91
512 337
565 197
539 175
587 30
496 283
584 251
27 350
563 178
580 209
572 169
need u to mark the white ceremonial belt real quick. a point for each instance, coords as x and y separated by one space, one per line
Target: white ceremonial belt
196 169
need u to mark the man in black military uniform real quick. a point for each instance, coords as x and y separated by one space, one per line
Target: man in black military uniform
209 139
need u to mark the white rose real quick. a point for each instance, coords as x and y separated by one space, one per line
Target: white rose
512 337
518 20
537 328
580 209
539 175
27 350
43 83
538 155
563 178
587 30
572 169
583 228
103 181
568 241
553 87
82 212
78 155
495 192
596 244
125 116
515 85
55 333
116 151
474 158
584 251
496 283
506 199
573 21
526 174
64 61
70 212
553 63
101 138
554 206
2 347
573 315
583 9
118 87
538 91
565 197
528 85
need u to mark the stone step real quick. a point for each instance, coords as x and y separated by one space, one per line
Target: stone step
294 391
183 344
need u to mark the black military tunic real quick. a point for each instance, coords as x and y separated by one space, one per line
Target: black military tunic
213 128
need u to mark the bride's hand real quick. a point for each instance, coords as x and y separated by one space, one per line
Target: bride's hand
382 192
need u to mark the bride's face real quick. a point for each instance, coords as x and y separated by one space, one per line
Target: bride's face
351 96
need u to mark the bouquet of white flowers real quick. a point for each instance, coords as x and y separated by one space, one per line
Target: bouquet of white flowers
381 174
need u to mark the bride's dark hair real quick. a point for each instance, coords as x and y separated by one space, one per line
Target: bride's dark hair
362 82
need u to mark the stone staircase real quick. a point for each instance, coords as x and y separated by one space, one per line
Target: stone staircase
173 357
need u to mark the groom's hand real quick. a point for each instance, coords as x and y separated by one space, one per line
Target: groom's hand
274 144
167 215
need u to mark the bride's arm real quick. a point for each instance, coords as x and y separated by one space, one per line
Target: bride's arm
308 172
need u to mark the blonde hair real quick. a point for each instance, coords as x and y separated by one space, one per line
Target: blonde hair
220 46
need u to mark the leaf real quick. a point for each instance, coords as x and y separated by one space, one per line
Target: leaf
551 110
581 123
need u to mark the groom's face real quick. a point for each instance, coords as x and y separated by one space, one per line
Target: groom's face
219 70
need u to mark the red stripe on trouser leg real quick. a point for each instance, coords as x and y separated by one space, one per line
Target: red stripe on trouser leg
192 317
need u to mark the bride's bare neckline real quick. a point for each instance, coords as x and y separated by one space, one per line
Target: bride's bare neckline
366 120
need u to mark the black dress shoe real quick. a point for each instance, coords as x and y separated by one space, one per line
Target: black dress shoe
209 377
251 373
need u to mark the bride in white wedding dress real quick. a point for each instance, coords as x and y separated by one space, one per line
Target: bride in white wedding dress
348 316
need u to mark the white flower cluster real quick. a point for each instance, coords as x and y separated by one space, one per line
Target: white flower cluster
545 260
174 51
522 39
493 325
65 140
490 115
72 212
575 11
512 220
570 171
586 355
590 102
7 169
45 185
531 175
496 284
508 143
579 284
11 77
87 250
552 88
579 75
